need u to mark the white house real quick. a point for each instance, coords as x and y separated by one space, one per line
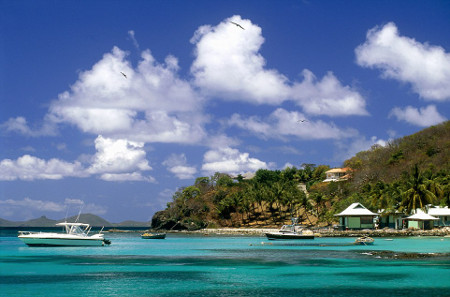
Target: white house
421 220
356 216
442 213
337 174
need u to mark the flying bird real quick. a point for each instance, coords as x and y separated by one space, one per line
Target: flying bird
301 121
123 74
237 25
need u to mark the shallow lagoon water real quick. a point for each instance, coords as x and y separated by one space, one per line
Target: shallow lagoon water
196 265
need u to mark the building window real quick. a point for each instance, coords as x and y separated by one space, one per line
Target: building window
366 220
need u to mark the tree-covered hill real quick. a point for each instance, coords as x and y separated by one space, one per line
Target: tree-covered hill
408 173
429 149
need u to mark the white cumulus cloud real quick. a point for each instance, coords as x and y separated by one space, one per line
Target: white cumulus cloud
422 117
120 177
282 123
327 96
177 164
20 125
229 160
32 168
118 156
150 104
115 160
426 67
228 63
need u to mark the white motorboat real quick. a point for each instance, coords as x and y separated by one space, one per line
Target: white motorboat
76 234
293 231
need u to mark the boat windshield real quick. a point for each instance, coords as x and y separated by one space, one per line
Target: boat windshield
74 229
287 228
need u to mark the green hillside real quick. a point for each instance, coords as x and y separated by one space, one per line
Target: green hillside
408 173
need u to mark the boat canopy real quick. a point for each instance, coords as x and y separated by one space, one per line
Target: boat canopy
71 224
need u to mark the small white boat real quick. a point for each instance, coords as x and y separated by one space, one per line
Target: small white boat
76 234
364 240
153 235
293 231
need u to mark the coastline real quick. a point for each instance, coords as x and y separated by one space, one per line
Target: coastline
319 233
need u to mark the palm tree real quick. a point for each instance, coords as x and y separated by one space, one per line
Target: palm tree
416 194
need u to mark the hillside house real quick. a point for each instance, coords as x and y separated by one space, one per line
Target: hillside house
337 174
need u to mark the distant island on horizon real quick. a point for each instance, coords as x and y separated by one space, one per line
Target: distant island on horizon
91 219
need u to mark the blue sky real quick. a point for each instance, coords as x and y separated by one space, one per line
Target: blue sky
201 95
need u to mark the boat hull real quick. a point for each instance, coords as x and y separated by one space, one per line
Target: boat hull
273 236
76 234
154 236
30 241
364 241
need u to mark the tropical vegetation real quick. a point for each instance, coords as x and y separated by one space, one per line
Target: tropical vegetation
408 173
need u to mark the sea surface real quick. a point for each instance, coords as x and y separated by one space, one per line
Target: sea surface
198 265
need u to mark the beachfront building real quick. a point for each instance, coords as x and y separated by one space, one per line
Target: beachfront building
356 216
443 215
337 174
393 219
421 220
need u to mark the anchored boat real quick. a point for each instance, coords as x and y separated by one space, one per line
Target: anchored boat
364 240
153 235
76 234
292 231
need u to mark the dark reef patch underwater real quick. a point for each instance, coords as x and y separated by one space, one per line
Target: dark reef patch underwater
189 265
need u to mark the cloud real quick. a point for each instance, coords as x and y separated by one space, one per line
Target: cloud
32 168
133 38
347 149
34 204
150 105
115 160
282 123
153 104
20 125
32 208
423 117
327 96
118 158
177 164
229 160
120 177
228 64
426 67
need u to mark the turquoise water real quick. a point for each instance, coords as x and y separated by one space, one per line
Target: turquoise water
194 265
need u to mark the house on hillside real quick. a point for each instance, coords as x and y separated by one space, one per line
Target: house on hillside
356 216
442 213
337 174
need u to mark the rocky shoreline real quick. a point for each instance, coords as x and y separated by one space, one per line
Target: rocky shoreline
320 232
